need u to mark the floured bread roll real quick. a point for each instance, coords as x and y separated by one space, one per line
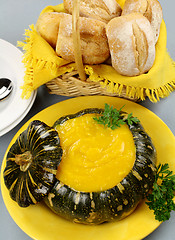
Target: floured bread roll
93 39
131 43
103 10
151 9
48 25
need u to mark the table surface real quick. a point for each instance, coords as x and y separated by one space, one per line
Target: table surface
15 16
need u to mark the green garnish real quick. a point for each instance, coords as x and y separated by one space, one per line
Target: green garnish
130 119
113 118
161 198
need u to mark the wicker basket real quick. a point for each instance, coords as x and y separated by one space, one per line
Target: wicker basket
77 83
70 85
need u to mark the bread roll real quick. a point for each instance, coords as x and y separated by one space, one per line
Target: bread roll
48 25
131 43
93 39
103 10
151 9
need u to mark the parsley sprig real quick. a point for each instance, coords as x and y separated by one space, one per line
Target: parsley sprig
113 118
161 198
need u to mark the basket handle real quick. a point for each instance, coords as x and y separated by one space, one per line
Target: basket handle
76 40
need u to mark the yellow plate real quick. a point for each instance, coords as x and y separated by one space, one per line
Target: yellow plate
42 224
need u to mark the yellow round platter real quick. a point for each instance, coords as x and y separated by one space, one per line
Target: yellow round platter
40 223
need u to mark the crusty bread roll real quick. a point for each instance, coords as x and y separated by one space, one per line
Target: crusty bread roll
93 39
131 43
48 25
103 10
151 9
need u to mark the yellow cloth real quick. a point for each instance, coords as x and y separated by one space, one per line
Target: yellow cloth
42 65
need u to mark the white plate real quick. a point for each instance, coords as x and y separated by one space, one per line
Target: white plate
14 108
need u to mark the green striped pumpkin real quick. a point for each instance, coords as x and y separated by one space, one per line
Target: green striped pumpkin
31 164
114 203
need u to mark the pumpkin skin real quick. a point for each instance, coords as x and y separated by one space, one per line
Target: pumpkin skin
31 164
114 203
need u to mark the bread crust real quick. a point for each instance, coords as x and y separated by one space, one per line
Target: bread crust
151 9
103 10
48 26
131 43
93 39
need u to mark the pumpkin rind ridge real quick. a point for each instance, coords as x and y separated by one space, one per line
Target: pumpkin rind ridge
32 184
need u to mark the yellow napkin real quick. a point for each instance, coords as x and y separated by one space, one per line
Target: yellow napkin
42 65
